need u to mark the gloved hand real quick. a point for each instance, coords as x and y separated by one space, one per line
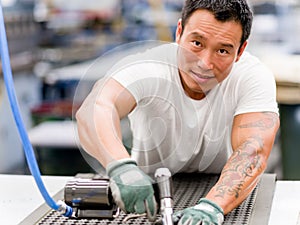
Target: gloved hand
131 188
205 212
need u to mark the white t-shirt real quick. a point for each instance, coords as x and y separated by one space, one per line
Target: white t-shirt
172 130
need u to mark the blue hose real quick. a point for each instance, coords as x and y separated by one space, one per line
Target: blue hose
29 153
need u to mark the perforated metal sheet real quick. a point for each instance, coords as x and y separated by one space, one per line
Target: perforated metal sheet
188 188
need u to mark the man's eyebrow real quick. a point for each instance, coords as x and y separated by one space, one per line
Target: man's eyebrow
227 45
199 36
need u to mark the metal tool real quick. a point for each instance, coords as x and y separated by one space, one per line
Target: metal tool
164 182
90 196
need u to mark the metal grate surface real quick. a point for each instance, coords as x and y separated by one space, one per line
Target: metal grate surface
188 189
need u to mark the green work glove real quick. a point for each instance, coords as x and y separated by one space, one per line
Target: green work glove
131 188
205 212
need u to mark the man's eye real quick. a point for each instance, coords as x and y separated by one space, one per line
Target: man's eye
223 51
197 43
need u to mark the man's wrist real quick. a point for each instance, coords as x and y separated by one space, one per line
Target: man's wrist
208 205
118 163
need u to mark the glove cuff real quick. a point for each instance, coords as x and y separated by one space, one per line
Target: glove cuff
211 204
206 204
118 163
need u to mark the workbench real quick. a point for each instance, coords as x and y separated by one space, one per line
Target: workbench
20 198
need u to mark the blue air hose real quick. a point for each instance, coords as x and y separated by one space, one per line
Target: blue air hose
29 153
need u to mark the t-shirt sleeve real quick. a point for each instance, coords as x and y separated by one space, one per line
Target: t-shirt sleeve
256 91
141 79
130 77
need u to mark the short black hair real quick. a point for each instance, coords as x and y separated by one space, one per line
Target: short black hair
223 10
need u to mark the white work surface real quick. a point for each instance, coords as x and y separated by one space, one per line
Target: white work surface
54 134
286 204
20 196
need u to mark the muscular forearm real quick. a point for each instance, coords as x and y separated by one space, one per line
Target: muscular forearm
99 129
108 131
240 175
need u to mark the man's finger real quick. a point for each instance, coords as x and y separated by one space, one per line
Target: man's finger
151 208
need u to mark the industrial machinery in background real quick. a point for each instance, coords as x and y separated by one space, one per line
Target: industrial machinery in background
90 29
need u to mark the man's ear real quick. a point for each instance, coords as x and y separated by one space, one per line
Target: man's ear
178 30
241 50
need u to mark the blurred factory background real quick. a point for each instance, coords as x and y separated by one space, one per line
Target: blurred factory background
53 42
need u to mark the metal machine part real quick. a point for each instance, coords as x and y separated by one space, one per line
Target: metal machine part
90 197
164 182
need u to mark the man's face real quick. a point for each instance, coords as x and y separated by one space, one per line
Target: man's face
208 50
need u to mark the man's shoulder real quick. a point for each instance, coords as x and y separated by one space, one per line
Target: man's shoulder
250 65
247 59
247 73
148 55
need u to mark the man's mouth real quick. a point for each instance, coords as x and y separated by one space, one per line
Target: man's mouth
202 78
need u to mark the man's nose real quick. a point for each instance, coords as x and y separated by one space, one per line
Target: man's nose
205 61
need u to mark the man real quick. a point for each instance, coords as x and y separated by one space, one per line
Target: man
200 105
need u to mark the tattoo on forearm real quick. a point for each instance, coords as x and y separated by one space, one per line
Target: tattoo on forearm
269 121
244 162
